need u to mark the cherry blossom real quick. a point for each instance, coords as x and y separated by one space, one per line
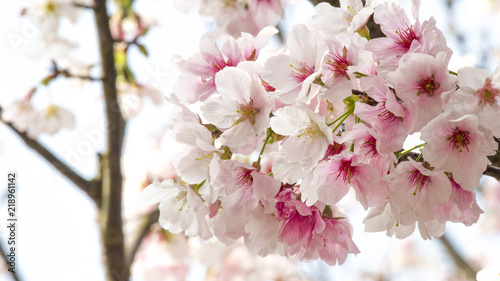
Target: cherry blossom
451 142
50 121
478 94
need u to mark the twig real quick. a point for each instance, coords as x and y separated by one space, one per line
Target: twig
146 222
457 258
86 186
493 171
112 178
83 6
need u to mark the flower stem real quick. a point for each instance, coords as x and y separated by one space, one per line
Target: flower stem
349 112
398 155
343 118
268 137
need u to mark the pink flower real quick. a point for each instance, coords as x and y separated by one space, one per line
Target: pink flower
366 143
205 64
293 75
403 36
310 235
385 117
419 81
478 94
243 109
241 188
415 190
462 207
251 45
452 142
332 179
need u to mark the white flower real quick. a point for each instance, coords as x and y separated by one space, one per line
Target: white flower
181 209
19 113
50 121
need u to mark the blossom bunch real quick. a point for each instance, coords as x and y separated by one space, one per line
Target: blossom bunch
281 138
235 16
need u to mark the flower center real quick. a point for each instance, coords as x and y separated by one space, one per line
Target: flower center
371 145
418 180
219 64
488 93
50 111
406 37
310 133
459 139
338 64
248 112
245 178
346 170
385 114
427 86
299 74
334 149
49 7
349 13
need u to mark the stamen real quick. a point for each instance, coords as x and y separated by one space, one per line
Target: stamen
488 93
459 139
303 71
406 37
418 180
346 170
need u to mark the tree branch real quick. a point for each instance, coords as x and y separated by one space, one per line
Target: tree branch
493 171
457 258
112 179
146 222
89 187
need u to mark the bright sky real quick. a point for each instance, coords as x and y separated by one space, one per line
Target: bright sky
57 232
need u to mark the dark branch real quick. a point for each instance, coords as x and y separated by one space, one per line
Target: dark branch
147 221
83 6
112 178
493 171
334 3
459 261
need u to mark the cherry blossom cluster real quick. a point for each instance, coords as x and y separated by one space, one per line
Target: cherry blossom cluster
236 16
281 137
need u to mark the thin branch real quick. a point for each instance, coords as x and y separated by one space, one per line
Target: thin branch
4 257
146 222
493 171
112 178
335 3
86 186
83 6
457 258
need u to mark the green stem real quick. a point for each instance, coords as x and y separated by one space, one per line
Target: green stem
359 74
453 73
347 114
268 137
409 150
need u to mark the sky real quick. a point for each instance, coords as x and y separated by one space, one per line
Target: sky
57 230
